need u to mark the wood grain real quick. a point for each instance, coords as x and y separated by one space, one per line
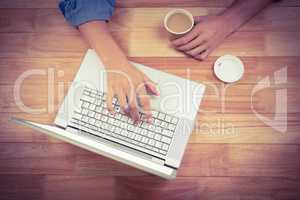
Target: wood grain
135 3
212 160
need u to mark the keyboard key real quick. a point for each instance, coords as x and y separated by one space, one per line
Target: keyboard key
143 132
166 139
157 122
98 123
104 118
162 152
151 127
130 121
97 116
168 119
98 109
105 126
138 137
167 133
92 106
158 129
118 130
84 111
174 120
150 134
130 127
111 120
91 113
145 125
165 147
172 127
161 116
98 102
105 112
124 133
164 124
151 142
85 104
157 137
123 125
85 119
92 94
158 144
117 123
145 140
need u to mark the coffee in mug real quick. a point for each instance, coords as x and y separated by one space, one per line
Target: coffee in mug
179 21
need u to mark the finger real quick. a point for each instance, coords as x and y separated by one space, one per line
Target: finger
133 109
185 39
122 100
150 86
196 51
204 54
145 104
192 44
109 100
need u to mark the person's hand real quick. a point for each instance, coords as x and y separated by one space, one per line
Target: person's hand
208 33
131 87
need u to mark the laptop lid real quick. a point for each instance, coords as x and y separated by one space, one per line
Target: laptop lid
101 148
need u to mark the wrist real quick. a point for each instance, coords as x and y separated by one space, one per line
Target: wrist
120 64
232 20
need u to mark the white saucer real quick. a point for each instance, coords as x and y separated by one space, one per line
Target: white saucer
229 68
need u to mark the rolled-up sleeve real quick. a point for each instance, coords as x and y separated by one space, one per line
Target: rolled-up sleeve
78 12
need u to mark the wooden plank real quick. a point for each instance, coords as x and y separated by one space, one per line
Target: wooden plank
199 160
206 188
245 160
189 3
146 43
25 186
134 3
78 187
35 158
63 187
51 20
64 69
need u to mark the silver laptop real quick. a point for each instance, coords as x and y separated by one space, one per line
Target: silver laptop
156 147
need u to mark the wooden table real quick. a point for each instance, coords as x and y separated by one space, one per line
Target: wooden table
232 154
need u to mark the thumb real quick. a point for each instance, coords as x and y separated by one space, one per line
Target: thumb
151 86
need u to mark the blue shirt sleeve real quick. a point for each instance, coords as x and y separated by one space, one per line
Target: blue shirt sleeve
78 12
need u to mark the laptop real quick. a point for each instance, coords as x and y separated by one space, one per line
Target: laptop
157 147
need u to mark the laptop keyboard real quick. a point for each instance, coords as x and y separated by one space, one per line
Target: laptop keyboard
94 118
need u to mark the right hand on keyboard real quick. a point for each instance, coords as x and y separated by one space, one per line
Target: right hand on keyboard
127 84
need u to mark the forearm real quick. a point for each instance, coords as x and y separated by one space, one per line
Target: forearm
243 10
99 38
